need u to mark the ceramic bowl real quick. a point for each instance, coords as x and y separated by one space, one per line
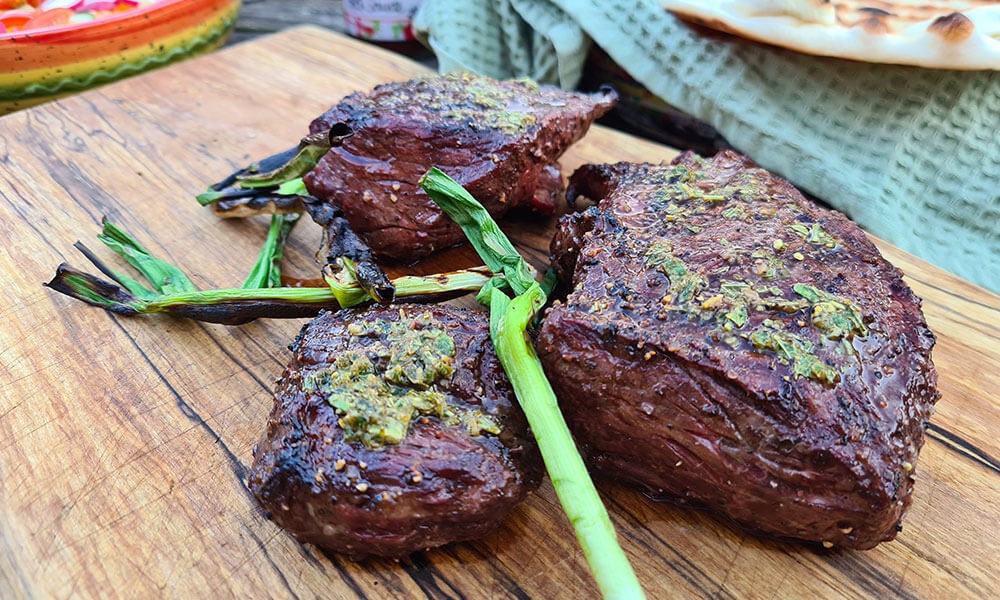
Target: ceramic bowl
43 64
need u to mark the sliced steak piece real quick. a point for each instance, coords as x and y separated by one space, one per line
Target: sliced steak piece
394 429
500 139
728 343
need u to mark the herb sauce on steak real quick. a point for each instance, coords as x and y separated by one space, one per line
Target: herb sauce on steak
500 139
394 429
728 343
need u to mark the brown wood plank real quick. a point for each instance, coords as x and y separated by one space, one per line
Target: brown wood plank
124 442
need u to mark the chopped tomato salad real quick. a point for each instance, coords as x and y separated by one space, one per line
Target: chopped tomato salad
26 15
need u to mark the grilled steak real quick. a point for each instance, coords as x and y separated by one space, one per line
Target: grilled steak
730 344
500 139
393 430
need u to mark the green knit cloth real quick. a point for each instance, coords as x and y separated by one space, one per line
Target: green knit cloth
912 155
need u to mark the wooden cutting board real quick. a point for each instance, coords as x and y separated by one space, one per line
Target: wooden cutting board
125 442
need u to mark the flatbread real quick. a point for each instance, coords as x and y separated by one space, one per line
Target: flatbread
936 34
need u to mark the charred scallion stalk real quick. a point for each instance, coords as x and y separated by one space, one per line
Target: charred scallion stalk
509 320
273 184
266 272
349 259
170 291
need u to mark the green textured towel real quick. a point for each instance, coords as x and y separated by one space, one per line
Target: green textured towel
912 155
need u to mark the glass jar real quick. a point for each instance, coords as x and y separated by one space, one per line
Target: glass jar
381 20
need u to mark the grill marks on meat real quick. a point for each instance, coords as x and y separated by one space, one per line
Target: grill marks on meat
728 343
500 139
443 482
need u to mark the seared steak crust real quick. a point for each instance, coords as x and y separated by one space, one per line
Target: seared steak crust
442 482
728 343
500 139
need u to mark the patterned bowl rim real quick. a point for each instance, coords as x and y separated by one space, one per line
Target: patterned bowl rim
39 35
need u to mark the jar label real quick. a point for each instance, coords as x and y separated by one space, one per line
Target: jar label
381 20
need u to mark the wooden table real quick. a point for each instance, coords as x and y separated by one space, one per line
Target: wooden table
125 442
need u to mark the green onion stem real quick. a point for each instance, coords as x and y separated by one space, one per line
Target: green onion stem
234 306
509 321
209 297
577 494
173 293
468 280
303 162
266 272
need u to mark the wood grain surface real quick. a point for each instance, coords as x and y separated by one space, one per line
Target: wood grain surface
125 442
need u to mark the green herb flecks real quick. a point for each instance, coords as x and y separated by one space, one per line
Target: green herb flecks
793 349
507 121
837 317
379 388
683 192
781 304
681 174
370 410
489 105
733 289
741 298
815 235
736 211
768 265
731 253
695 193
738 315
476 423
684 284
673 211
421 351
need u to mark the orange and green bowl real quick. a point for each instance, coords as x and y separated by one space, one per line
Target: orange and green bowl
45 63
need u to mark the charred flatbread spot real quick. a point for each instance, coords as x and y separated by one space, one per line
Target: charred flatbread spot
874 24
953 28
